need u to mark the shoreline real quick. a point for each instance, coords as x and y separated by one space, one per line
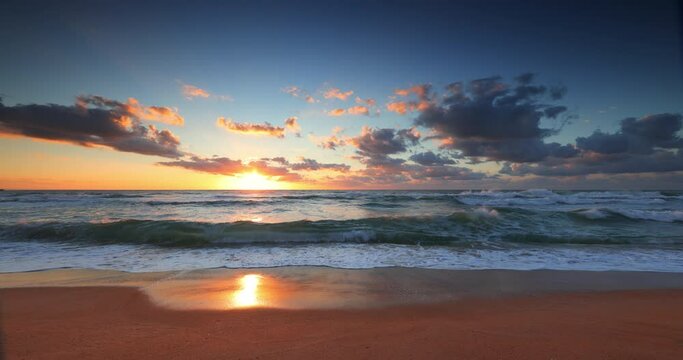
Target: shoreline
315 287
313 312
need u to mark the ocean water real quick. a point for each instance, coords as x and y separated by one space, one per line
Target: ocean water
177 230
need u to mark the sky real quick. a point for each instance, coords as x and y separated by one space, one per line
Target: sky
341 95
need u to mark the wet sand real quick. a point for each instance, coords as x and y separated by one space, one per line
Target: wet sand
548 316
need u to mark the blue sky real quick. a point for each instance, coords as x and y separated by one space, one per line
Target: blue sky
616 60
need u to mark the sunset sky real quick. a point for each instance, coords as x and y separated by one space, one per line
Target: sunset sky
340 94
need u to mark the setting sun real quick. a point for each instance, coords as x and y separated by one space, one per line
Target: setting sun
252 181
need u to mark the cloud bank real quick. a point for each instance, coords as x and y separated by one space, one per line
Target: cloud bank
96 121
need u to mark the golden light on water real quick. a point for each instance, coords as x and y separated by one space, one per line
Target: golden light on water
248 293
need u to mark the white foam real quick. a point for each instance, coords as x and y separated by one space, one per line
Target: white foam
593 214
654 215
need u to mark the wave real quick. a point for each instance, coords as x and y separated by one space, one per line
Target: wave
473 228
548 197
122 196
209 203
527 198
632 214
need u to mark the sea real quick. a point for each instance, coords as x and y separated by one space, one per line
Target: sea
140 231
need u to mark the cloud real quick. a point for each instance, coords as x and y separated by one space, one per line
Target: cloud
647 144
496 121
354 110
378 149
282 173
190 92
367 102
215 165
313 165
399 107
358 110
372 141
424 99
133 109
278 167
374 146
331 142
292 125
96 121
335 93
306 164
441 172
637 136
229 167
421 91
429 159
411 175
336 112
251 128
298 92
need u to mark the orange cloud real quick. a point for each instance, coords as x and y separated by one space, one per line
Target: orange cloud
162 114
95 121
358 110
132 109
403 107
336 112
292 124
354 110
298 92
368 102
333 141
335 93
420 90
191 91
250 128
400 107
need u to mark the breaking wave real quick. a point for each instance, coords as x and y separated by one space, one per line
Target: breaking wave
479 227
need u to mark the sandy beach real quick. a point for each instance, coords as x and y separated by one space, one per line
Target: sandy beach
71 320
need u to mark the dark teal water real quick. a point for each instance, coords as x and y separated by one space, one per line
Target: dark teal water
158 230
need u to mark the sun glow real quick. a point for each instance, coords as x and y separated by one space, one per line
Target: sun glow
248 293
252 181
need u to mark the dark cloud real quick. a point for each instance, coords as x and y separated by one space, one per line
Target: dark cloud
230 167
594 163
429 158
490 119
648 144
637 136
441 172
215 165
374 146
96 121
306 164
272 167
424 99
313 165
381 142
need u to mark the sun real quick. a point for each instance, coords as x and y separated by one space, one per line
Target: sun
252 181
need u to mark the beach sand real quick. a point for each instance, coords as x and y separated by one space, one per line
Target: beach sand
118 317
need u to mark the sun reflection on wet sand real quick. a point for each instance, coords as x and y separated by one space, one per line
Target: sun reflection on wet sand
282 288
248 293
